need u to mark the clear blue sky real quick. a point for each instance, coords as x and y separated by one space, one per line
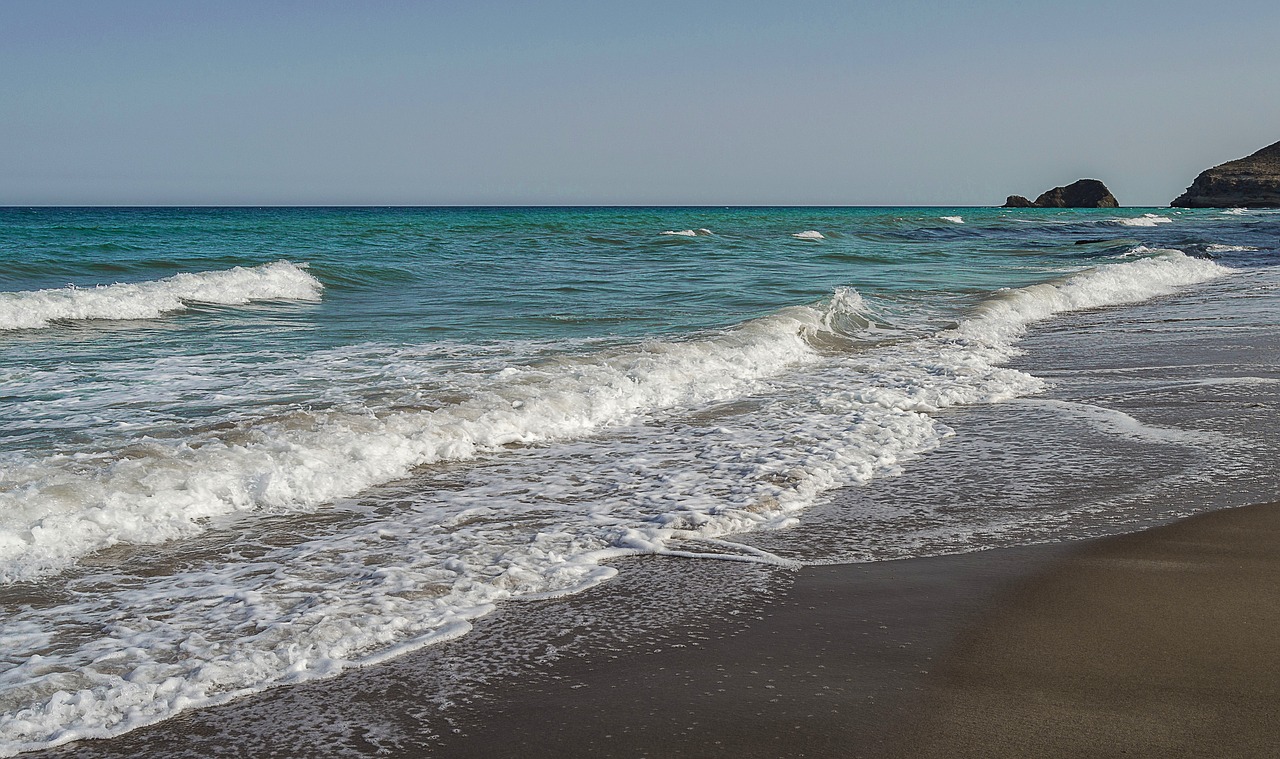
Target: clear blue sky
807 101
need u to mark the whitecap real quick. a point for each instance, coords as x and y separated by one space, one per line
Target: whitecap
811 234
37 309
953 219
1145 220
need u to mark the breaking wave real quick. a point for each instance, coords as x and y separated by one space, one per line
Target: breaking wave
39 309
1145 220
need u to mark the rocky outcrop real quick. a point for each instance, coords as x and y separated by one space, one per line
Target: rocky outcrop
1083 193
1251 182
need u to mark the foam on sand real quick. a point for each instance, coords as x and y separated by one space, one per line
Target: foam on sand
149 300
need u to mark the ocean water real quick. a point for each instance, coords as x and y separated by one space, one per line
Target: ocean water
242 448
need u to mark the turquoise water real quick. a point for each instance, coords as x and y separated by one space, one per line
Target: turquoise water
488 274
248 447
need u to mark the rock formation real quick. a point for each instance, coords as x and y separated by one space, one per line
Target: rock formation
1251 182
1083 193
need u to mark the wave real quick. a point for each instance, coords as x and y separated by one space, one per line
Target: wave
953 219
39 309
811 234
703 232
55 511
1140 251
667 469
1145 220
1005 317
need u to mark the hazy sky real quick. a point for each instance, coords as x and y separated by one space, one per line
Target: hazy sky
600 102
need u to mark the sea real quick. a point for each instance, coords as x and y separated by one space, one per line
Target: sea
246 448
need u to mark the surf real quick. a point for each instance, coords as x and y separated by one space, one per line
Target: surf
40 309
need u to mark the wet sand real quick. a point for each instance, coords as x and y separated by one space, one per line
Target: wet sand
828 669
1159 643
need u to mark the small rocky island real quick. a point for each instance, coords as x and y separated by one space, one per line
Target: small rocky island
1083 193
1250 182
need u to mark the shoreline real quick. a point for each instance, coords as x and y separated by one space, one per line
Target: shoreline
1156 643
670 656
978 654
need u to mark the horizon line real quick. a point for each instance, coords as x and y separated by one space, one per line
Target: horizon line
33 206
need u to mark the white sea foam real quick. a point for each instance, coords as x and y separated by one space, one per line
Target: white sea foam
1003 318
149 300
1141 251
1230 248
647 449
1123 425
1236 211
953 219
811 234
702 232
58 509
1145 220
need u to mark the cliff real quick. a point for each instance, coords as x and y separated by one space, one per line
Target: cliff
1250 182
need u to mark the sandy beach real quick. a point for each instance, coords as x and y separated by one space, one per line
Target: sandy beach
1157 643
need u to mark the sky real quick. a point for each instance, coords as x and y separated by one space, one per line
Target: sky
487 102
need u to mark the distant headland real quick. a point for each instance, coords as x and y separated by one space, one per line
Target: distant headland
1250 182
1083 193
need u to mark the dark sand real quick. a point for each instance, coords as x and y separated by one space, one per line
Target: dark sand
1160 643
826 670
